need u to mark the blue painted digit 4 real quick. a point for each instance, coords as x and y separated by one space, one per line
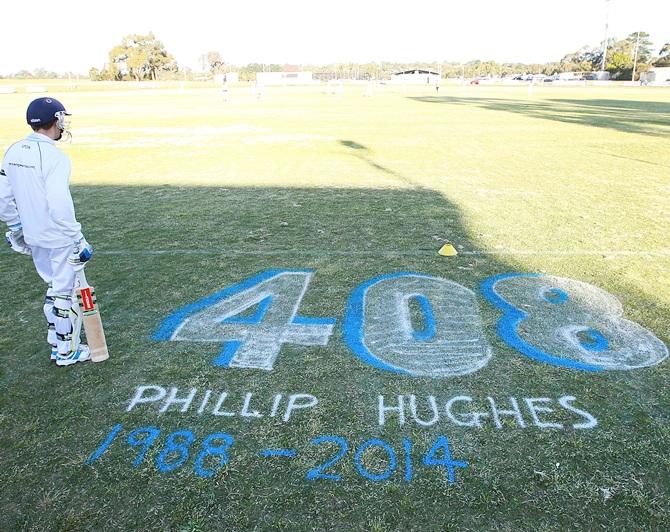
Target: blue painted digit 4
252 319
433 458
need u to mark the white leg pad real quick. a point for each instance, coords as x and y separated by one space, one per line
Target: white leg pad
51 319
63 324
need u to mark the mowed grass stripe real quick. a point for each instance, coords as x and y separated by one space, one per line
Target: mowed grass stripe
373 253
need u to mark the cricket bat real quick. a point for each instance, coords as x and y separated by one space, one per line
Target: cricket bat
90 316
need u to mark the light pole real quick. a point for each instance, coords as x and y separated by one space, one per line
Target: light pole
602 64
637 45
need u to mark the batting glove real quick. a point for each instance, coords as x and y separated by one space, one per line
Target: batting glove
14 238
81 254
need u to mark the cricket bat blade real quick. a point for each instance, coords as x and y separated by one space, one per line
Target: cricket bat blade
90 315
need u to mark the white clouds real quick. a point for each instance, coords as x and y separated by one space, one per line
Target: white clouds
301 31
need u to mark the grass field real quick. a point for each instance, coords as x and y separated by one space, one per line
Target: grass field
183 195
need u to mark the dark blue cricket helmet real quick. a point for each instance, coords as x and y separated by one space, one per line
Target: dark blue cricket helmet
43 111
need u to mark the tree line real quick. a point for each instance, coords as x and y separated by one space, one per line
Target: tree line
137 57
143 57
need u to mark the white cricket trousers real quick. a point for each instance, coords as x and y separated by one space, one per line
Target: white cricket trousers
52 266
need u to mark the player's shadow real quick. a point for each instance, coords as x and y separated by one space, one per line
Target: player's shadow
646 118
364 153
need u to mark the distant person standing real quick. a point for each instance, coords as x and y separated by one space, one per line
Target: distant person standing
36 205
225 88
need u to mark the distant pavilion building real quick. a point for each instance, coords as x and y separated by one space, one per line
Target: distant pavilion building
660 75
416 76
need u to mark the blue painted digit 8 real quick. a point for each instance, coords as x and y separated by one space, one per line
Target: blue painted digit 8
178 443
217 451
570 324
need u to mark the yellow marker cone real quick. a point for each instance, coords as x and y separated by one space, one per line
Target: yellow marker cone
448 250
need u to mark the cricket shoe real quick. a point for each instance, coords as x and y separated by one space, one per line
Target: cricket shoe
80 355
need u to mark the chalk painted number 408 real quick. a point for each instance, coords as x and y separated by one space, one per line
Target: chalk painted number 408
419 325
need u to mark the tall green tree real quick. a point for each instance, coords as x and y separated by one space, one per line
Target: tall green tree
583 60
663 58
621 55
140 57
643 44
212 62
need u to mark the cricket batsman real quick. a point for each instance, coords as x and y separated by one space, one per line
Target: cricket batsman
36 205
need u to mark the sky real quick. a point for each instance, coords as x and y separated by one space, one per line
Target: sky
320 31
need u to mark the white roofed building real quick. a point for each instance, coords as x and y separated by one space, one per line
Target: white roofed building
416 76
656 75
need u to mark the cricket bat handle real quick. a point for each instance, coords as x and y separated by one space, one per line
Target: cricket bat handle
81 277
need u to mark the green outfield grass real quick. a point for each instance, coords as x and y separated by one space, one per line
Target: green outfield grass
183 194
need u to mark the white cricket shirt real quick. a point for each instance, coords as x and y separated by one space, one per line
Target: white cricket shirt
35 190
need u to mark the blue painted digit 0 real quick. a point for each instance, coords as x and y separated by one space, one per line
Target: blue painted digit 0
569 323
358 460
379 327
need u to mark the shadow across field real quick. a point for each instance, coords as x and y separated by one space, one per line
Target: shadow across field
646 118
300 222
161 248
